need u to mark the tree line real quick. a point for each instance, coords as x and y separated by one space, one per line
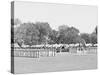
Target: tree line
41 33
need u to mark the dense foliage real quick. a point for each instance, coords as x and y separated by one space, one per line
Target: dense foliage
42 33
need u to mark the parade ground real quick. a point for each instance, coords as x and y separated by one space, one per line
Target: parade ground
60 62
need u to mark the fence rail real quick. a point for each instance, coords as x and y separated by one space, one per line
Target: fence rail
32 53
47 52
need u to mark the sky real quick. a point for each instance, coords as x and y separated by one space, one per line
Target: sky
82 17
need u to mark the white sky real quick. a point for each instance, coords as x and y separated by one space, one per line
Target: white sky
82 17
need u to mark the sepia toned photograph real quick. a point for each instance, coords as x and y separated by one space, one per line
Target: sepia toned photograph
50 37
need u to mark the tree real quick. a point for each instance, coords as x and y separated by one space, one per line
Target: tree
53 36
14 22
32 33
93 38
27 33
86 37
44 29
80 41
67 34
96 30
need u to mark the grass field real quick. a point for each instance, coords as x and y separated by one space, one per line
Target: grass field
60 62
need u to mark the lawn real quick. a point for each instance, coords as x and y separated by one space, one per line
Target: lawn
60 62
